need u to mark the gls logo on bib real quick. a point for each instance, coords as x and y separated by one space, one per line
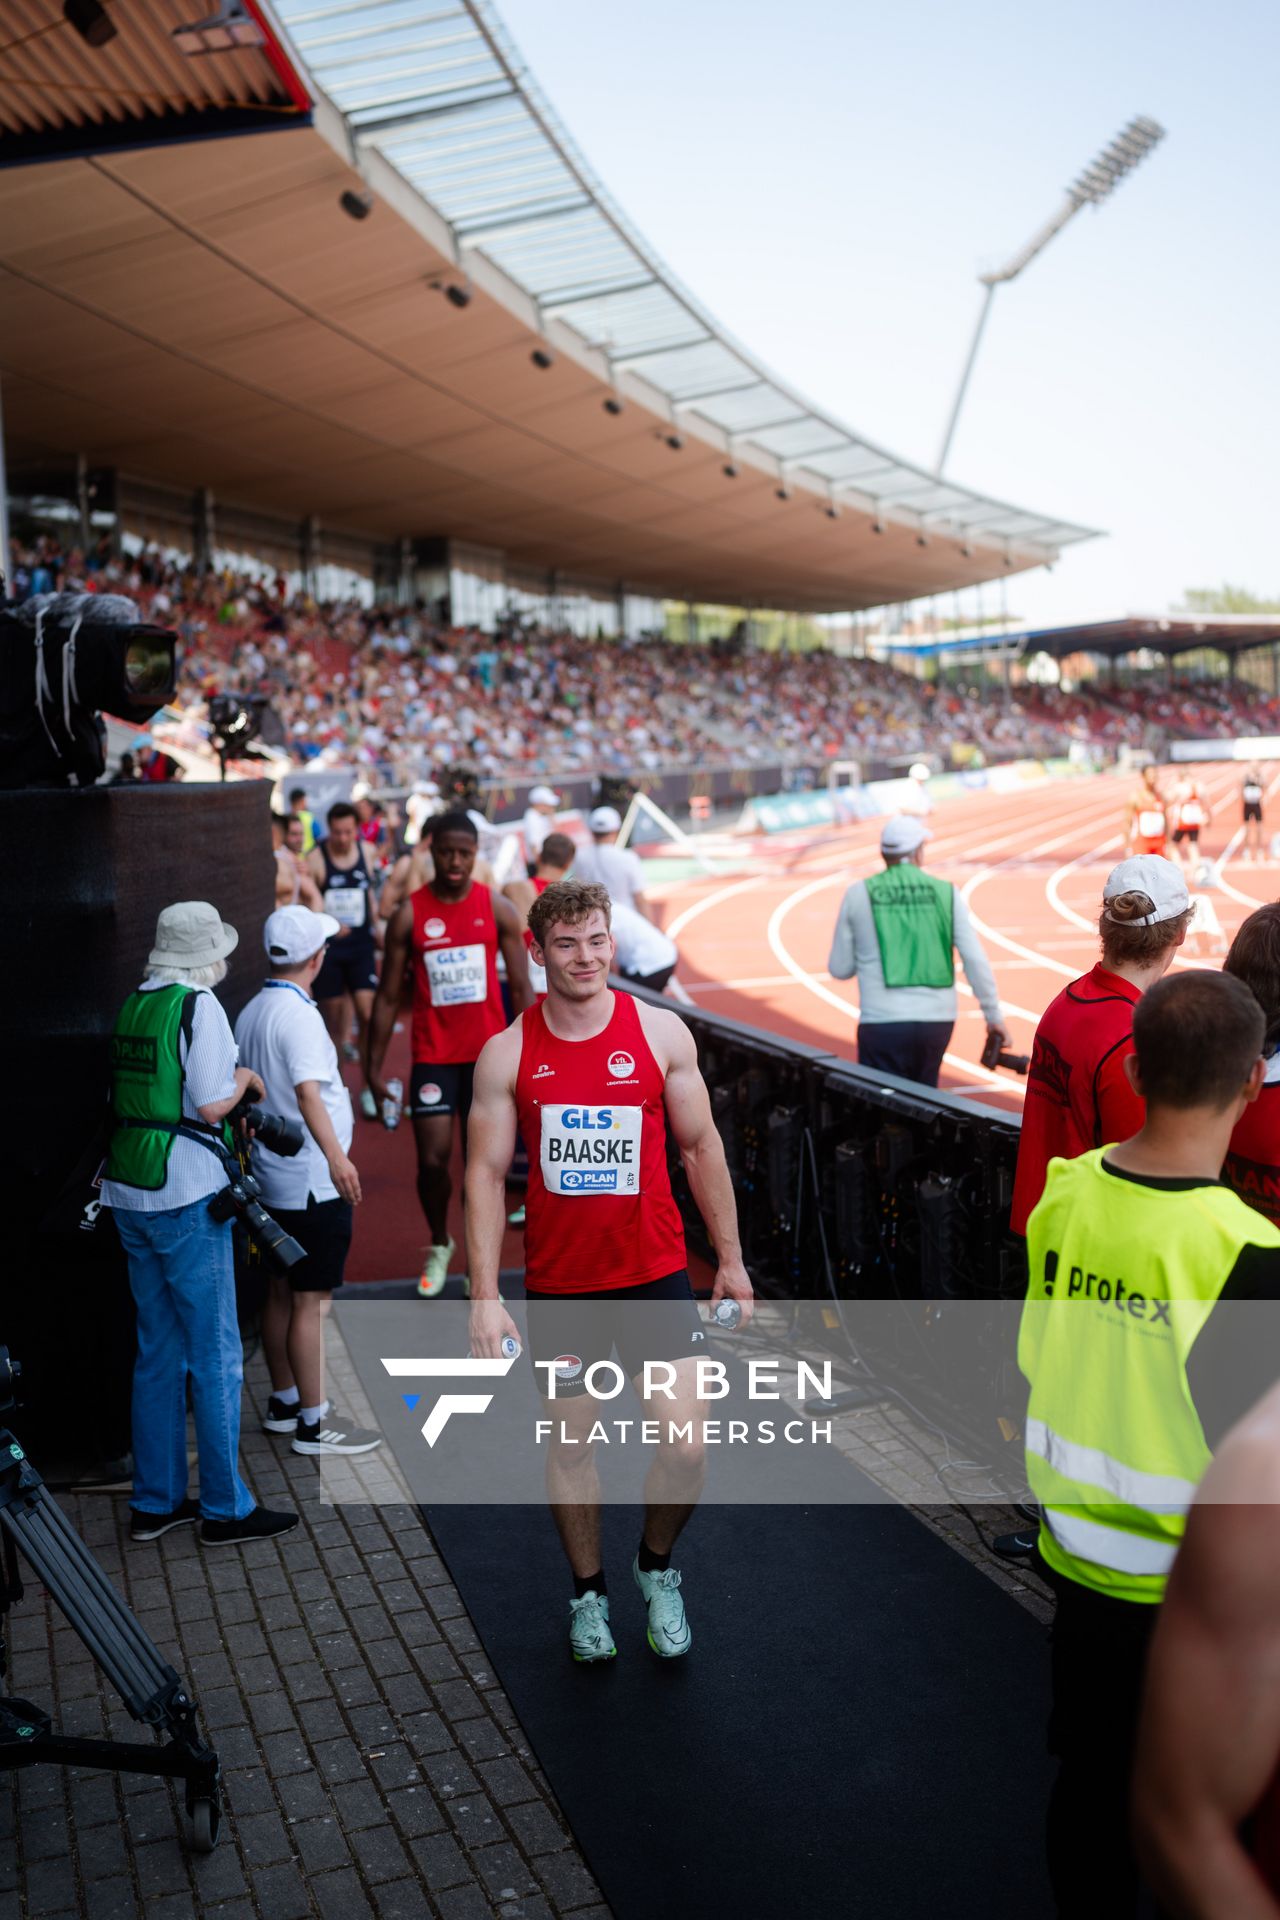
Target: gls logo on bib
591 1149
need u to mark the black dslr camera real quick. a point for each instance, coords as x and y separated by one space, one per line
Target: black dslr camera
241 1198
994 1055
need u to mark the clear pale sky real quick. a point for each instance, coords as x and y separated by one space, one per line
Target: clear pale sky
830 176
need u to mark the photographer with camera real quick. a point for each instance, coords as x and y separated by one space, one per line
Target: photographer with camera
312 1191
174 1081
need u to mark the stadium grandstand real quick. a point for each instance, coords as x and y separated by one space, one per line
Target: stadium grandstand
344 412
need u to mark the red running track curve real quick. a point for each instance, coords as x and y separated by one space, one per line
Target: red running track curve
754 946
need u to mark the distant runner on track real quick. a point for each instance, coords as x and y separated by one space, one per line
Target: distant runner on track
1147 821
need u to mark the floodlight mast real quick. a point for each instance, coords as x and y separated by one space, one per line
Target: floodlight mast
1091 188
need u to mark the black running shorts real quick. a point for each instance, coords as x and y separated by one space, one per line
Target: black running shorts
438 1091
350 966
576 1329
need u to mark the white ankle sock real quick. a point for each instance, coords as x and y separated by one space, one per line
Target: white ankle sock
312 1414
287 1396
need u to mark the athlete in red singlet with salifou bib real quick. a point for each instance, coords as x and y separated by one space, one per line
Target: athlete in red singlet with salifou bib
594 1078
448 934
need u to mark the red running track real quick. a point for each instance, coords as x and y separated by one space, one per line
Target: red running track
755 946
1031 866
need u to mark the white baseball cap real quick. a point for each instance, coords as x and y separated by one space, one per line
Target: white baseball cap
543 797
191 933
361 790
605 820
293 934
1158 878
902 835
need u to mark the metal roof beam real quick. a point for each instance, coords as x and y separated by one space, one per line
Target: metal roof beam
552 302
473 236
411 115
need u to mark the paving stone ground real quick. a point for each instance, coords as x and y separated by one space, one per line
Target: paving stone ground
373 1767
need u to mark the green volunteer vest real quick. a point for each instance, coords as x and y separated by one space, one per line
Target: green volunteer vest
914 914
146 1086
1122 1280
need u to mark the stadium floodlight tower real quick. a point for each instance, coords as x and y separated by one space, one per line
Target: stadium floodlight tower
1100 178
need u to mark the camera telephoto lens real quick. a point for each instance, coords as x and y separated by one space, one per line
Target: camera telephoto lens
270 1238
277 1134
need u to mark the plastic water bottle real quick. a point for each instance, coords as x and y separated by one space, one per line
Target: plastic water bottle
393 1105
510 1347
726 1314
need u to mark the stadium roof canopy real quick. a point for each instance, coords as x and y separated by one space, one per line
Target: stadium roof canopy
200 311
1169 634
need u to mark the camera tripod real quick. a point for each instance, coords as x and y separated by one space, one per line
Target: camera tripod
32 1523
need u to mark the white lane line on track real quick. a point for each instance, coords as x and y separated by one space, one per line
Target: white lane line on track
709 900
1116 840
810 981
1217 801
1002 939
842 861
815 986
1245 899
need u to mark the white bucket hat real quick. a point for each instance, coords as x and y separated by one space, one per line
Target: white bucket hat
191 933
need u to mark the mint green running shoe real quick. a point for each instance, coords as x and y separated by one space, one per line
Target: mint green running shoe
669 1631
589 1635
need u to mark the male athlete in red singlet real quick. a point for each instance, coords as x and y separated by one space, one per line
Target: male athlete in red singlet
593 1078
450 931
553 863
1207 1778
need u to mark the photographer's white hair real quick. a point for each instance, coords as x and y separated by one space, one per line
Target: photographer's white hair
210 976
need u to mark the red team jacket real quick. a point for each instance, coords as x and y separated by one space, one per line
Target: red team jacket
1077 1094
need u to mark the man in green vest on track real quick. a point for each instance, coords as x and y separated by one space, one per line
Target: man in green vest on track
1137 1367
899 931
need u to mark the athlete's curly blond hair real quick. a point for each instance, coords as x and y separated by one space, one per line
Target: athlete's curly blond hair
570 902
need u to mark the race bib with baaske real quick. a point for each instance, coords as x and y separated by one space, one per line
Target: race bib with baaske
346 904
456 976
591 1149
1150 823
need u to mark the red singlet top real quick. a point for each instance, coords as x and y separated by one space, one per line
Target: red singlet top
457 1002
537 974
600 1208
1077 1093
1252 1165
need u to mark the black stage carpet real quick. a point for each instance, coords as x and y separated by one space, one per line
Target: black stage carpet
858 1729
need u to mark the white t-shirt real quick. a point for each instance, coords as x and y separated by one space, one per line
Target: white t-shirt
535 827
642 947
282 1037
618 871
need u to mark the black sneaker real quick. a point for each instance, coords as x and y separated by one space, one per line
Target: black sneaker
149 1526
281 1416
261 1524
333 1434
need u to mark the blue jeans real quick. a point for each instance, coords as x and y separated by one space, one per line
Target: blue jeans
183 1280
